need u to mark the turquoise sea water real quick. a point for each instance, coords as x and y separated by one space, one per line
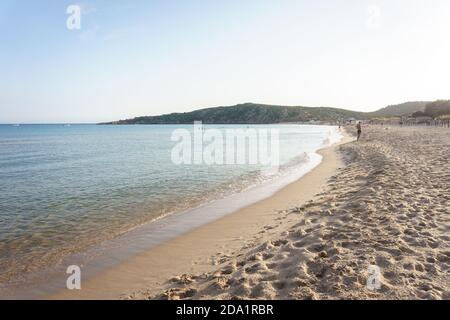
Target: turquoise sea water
65 188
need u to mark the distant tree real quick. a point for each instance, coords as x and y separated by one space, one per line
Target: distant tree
419 114
438 108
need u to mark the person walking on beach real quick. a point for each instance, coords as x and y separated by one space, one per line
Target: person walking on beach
358 127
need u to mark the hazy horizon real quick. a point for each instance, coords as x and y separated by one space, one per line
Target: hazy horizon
146 58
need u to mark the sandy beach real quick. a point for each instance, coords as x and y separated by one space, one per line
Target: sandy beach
382 201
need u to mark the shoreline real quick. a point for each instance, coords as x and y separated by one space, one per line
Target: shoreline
205 246
114 250
379 231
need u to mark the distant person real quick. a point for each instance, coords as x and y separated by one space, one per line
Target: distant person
358 127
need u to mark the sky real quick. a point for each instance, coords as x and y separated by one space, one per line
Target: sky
144 57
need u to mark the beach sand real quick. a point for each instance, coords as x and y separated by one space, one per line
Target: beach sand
383 201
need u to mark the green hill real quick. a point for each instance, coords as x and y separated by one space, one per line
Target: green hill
249 113
404 109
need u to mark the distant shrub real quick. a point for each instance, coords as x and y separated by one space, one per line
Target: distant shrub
438 108
419 114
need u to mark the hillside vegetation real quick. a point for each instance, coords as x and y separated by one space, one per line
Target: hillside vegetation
438 109
404 109
251 113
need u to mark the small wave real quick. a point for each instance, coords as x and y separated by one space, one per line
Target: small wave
333 136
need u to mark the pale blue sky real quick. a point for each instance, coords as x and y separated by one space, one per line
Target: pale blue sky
138 57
